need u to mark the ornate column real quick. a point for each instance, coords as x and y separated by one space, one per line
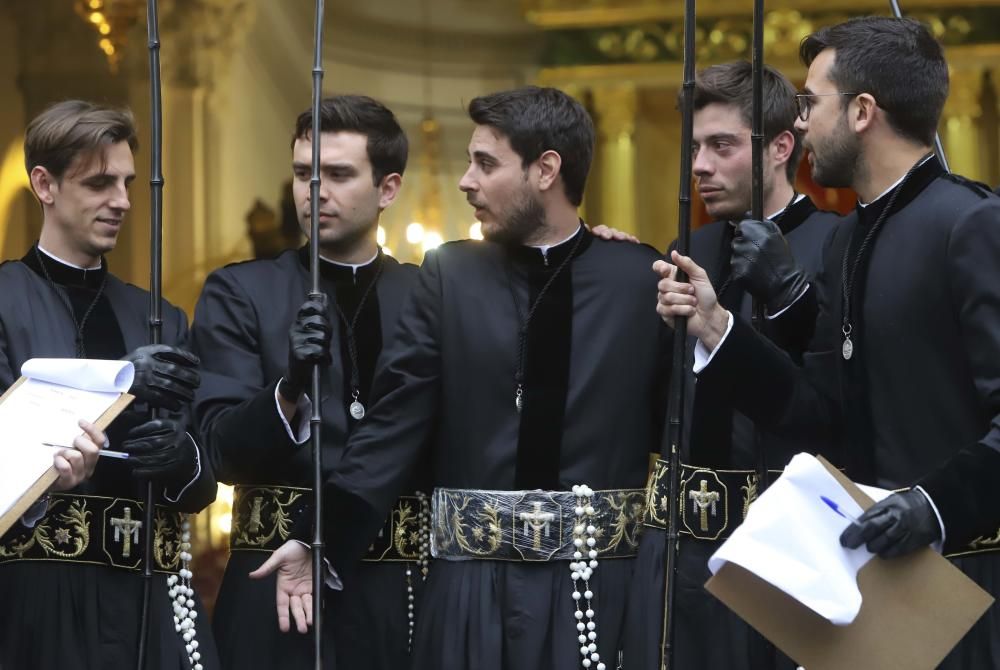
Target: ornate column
989 130
197 38
959 131
615 109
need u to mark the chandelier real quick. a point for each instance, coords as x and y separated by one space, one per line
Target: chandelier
111 19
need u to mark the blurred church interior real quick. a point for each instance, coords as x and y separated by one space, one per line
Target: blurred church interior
236 73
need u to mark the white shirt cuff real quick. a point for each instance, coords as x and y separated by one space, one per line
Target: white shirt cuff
788 306
702 356
197 472
331 579
303 410
937 546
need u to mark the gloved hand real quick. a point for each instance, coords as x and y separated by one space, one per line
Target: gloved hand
764 264
308 345
161 450
897 525
165 376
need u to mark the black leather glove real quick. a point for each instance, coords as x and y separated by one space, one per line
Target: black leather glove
764 264
308 346
901 523
161 450
165 376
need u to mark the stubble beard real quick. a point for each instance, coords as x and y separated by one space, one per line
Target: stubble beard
519 223
839 161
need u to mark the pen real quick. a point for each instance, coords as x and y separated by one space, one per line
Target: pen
836 508
103 452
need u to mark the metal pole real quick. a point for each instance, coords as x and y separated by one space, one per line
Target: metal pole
938 147
670 449
316 418
155 291
757 179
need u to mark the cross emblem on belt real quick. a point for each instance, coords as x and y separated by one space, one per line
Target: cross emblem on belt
126 531
254 524
703 499
537 521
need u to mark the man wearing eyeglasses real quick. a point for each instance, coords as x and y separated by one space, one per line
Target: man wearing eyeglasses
905 366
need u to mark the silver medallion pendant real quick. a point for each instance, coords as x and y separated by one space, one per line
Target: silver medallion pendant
357 410
847 349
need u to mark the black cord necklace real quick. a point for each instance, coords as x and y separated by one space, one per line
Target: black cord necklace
525 321
81 351
847 278
356 408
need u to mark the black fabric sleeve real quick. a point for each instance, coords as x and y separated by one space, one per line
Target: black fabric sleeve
965 488
235 409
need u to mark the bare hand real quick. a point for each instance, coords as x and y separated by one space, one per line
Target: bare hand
608 233
694 299
293 563
77 465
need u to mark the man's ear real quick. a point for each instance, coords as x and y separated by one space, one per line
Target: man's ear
782 146
44 185
861 112
549 164
389 189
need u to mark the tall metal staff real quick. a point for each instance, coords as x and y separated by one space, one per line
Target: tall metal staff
316 293
670 449
155 292
757 176
938 147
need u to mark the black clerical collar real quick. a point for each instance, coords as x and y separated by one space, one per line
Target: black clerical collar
552 255
920 179
792 216
360 273
63 273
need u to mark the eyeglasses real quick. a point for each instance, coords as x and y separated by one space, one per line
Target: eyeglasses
803 101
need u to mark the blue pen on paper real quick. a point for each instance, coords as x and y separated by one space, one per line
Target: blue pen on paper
836 508
103 452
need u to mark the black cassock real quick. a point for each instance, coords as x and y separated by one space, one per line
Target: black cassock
593 403
73 615
919 400
707 633
241 333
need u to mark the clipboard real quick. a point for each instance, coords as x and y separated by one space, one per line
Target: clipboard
36 489
914 610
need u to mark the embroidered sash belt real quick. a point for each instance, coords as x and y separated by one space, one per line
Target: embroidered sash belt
263 517
96 530
712 502
531 525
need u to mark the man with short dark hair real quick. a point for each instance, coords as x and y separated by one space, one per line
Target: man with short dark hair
721 446
259 337
71 585
905 367
528 371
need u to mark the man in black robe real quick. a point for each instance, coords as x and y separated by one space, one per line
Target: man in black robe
527 369
70 571
905 366
259 346
720 444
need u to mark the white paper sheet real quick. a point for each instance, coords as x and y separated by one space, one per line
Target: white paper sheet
82 373
42 411
790 539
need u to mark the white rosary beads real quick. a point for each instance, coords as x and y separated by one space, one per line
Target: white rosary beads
182 594
582 568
